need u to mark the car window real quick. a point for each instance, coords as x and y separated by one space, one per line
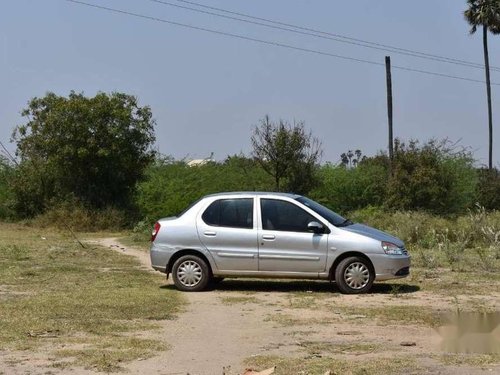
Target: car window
328 214
284 216
234 213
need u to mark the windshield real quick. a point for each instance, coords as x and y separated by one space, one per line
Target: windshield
328 214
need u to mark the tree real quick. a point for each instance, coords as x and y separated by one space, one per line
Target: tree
348 159
287 153
485 13
92 150
7 170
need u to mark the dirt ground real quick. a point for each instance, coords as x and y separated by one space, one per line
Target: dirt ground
222 330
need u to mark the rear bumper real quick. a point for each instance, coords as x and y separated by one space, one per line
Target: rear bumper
159 258
389 267
160 268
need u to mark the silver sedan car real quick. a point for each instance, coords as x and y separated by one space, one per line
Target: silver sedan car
258 234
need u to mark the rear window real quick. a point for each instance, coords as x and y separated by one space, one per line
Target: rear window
233 213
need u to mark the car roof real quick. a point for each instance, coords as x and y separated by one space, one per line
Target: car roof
257 193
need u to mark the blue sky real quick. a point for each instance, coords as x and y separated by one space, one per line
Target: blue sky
208 91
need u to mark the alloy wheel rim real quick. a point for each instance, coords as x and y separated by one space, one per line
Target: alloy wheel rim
189 273
357 275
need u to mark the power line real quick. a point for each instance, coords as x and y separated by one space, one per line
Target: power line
326 35
273 43
9 155
336 39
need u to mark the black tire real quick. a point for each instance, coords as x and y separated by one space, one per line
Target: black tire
354 275
191 273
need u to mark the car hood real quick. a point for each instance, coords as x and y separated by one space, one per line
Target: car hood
376 234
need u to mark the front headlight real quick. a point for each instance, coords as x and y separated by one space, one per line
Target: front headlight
391 249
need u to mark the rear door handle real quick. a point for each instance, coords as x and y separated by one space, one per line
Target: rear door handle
269 237
210 233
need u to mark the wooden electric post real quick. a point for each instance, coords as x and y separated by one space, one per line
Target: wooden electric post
389 105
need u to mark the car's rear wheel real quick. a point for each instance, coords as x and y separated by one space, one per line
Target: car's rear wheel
190 273
354 275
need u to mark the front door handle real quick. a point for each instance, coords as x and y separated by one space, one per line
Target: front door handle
269 237
210 233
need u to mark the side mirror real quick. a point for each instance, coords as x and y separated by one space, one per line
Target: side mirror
315 227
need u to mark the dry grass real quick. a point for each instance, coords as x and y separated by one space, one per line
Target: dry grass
107 354
234 300
312 365
54 291
475 360
332 347
381 315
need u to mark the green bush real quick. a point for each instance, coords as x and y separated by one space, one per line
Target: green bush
171 186
433 177
82 219
413 227
489 188
343 189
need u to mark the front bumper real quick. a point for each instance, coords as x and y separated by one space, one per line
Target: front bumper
389 267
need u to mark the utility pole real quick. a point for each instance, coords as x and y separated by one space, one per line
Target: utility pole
389 106
488 92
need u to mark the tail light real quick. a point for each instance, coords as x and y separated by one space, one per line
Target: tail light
156 229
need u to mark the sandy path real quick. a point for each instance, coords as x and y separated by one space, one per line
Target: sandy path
209 335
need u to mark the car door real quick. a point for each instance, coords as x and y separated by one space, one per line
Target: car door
285 243
227 229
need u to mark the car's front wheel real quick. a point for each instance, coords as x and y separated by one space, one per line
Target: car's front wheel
354 275
190 273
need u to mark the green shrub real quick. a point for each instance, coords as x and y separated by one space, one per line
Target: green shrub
433 177
171 186
346 189
489 188
142 232
413 227
82 219
372 215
